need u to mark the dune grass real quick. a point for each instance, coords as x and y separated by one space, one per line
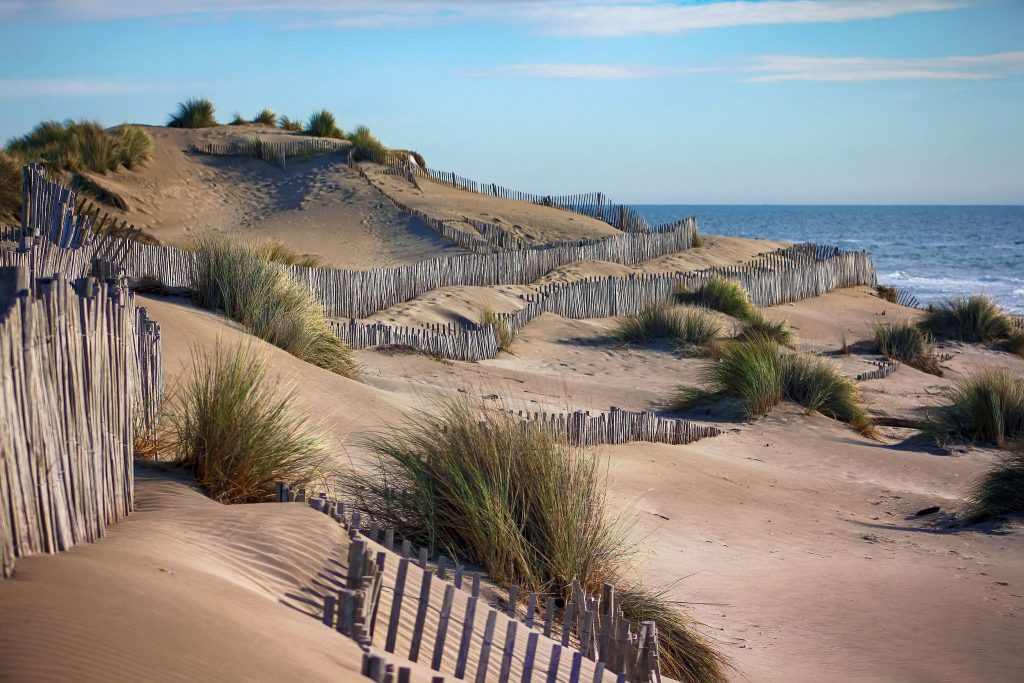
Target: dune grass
293 126
238 432
10 188
195 112
971 319
501 329
266 117
420 161
1001 490
323 125
664 321
985 406
84 146
365 146
275 250
761 374
242 281
134 146
528 509
757 325
908 343
1015 342
237 120
722 295
887 293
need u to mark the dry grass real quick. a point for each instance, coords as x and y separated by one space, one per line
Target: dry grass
887 293
237 431
907 343
529 510
986 406
10 188
275 250
1001 490
501 329
242 281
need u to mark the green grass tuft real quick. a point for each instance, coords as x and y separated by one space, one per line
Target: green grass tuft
985 406
322 125
266 117
285 123
817 384
10 188
722 295
1001 490
529 510
237 120
664 321
134 146
757 325
907 343
242 281
366 147
970 319
237 432
193 113
1015 342
501 329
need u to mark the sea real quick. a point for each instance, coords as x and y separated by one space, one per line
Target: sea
935 252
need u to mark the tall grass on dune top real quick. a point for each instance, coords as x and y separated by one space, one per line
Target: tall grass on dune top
237 431
720 294
664 321
757 325
758 372
195 112
908 343
530 510
985 406
84 146
970 319
366 146
266 117
291 125
323 125
241 280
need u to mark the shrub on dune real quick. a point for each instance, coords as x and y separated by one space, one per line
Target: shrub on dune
134 146
528 509
288 124
907 343
10 188
266 117
366 147
1001 490
664 321
970 319
986 406
501 329
758 325
722 295
195 112
240 280
237 432
322 125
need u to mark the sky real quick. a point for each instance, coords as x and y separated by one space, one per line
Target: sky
649 101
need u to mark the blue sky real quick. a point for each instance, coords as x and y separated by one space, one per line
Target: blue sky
781 101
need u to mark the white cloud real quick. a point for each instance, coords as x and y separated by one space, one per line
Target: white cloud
779 68
69 87
591 18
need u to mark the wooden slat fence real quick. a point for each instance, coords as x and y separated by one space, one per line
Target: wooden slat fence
571 636
580 428
75 369
273 151
885 368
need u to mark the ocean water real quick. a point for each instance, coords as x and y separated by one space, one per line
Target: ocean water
936 252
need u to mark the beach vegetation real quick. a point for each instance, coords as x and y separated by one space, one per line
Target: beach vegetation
293 126
237 120
908 343
83 146
719 294
134 146
1000 491
759 326
887 293
241 280
237 431
527 508
365 146
986 406
266 117
10 188
417 157
970 319
502 330
279 252
195 112
1015 342
323 125
664 321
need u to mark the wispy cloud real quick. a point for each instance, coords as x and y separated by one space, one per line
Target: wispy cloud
588 18
71 87
780 68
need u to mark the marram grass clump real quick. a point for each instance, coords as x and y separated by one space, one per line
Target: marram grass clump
985 406
757 325
196 112
1000 491
664 321
720 294
10 188
84 146
323 125
529 510
238 432
266 117
761 374
290 125
241 280
907 343
501 327
970 319
366 147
